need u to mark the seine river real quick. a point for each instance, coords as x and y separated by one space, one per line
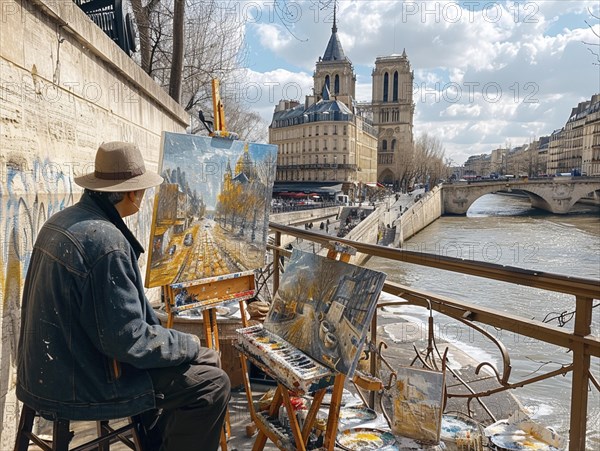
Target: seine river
507 231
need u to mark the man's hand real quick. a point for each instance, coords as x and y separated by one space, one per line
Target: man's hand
207 356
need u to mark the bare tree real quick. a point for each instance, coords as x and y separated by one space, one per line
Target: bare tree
208 38
142 14
429 161
178 44
248 124
594 47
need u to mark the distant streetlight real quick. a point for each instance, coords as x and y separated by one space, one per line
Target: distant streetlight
335 168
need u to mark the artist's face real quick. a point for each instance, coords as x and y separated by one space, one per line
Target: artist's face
132 202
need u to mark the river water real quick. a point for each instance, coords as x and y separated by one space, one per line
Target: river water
506 230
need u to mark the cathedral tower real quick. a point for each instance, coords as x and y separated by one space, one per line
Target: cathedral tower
393 110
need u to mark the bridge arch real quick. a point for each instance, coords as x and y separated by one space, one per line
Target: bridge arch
555 196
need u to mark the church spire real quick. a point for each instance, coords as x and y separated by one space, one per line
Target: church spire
334 28
334 51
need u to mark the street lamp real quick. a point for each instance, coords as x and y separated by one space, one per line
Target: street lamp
335 168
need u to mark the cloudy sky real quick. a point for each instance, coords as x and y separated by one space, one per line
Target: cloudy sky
487 73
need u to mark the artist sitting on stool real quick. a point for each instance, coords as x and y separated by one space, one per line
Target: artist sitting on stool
91 346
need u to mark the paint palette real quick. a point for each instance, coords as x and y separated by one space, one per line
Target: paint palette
361 439
524 435
355 415
519 441
347 397
461 432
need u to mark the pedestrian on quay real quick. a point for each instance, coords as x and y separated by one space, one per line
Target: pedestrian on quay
91 346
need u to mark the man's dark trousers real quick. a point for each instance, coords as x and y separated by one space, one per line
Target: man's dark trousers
193 399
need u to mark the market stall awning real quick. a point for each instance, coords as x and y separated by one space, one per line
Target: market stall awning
310 189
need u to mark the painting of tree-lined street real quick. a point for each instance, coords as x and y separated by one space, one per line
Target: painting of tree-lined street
324 308
211 213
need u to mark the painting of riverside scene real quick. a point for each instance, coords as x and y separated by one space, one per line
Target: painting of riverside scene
324 308
418 398
211 213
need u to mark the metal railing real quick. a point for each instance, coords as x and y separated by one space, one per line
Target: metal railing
580 341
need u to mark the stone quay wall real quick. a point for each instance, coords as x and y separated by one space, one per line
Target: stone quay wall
65 87
422 213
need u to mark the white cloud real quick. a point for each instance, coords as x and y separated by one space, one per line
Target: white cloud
273 37
462 111
263 90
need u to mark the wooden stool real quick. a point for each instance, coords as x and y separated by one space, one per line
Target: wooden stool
62 435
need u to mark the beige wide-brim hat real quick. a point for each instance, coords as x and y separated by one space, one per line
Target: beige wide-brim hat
119 167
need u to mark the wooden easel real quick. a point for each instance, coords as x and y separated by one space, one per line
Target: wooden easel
337 251
209 294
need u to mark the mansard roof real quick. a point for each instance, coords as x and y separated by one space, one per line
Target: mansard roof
328 106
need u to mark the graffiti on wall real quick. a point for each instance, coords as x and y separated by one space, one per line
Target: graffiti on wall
29 194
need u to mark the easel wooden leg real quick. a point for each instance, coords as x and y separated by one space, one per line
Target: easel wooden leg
312 414
169 299
334 412
247 386
260 442
294 426
261 439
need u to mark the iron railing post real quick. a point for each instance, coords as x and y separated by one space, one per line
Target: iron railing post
580 381
276 262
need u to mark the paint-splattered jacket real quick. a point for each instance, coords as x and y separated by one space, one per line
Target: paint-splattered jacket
83 306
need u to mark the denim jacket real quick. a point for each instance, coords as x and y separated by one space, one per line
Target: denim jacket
88 334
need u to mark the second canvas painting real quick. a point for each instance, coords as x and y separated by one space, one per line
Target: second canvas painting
324 308
211 213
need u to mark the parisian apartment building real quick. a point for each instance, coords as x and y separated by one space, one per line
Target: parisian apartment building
573 149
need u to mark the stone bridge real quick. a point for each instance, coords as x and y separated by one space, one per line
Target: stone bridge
556 195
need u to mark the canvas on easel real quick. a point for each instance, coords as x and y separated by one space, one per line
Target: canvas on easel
211 213
324 308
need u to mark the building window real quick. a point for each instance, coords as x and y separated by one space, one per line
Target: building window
395 94
385 86
327 81
316 130
384 145
336 88
393 145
